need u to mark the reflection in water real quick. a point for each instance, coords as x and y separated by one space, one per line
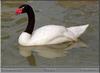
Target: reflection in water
49 51
31 60
26 52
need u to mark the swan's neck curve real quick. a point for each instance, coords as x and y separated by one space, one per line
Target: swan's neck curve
31 21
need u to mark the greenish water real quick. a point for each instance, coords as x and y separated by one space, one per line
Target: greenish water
61 55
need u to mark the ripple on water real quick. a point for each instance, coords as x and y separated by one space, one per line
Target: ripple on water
7 16
74 4
12 4
21 20
19 30
4 25
69 4
5 37
7 19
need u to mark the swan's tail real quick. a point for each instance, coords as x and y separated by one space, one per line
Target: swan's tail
77 31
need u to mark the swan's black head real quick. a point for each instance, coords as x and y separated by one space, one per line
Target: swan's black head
25 8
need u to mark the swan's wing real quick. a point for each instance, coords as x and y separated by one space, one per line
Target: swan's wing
46 34
76 31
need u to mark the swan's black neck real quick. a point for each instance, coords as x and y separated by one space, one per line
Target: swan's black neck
31 20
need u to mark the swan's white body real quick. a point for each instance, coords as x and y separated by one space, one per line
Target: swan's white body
51 34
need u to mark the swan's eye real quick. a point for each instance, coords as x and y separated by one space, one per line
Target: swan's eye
22 7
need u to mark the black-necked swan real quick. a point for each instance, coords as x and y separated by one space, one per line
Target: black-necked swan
49 34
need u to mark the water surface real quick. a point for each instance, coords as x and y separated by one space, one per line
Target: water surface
68 14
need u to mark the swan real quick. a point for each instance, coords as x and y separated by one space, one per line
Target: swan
49 34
